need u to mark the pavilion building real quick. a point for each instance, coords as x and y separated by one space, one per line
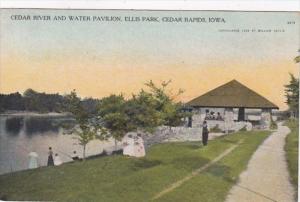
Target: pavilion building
230 104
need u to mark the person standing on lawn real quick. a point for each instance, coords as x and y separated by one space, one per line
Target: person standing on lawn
57 160
50 157
204 133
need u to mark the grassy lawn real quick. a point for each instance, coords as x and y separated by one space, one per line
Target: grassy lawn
119 178
291 148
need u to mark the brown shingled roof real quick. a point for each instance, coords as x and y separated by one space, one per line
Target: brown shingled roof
232 94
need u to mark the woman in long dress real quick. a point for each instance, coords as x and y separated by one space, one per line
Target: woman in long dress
57 160
204 133
33 160
50 157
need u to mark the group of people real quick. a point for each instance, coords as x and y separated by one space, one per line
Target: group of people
53 160
133 146
212 116
56 161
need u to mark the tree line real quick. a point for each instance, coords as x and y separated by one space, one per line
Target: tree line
34 101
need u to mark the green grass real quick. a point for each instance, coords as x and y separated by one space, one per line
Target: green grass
291 148
119 178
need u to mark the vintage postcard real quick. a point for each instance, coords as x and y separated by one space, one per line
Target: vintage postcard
128 105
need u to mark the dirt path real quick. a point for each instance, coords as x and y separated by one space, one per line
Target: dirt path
266 178
196 172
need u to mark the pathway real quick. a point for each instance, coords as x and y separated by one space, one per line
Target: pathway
266 178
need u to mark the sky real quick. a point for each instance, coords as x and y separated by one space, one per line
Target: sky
98 58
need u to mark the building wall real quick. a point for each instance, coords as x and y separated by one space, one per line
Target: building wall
228 123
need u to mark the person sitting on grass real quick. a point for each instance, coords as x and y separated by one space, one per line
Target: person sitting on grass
75 156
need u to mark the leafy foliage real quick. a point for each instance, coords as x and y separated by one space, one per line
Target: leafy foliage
292 95
172 113
142 112
111 110
13 101
86 128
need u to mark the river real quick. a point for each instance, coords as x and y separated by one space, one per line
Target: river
21 134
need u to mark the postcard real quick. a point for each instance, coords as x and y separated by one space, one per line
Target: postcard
146 105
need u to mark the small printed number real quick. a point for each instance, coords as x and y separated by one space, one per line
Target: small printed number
291 22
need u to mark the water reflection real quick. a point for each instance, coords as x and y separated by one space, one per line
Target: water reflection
35 125
20 135
40 125
14 125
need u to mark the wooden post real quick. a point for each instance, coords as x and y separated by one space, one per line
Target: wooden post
241 115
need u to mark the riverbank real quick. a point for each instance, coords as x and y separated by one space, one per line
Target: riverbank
120 178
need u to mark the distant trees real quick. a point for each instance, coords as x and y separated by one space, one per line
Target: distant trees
292 95
42 102
13 101
32 100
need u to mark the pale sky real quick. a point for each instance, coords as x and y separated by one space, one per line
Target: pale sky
100 58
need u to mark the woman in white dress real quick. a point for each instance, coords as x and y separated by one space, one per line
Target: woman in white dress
57 160
33 160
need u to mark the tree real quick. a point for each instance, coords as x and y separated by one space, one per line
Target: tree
111 110
145 111
297 59
171 110
86 128
42 102
13 101
292 95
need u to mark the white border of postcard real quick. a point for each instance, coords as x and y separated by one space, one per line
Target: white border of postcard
244 5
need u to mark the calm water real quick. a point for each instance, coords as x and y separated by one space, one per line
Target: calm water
20 135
